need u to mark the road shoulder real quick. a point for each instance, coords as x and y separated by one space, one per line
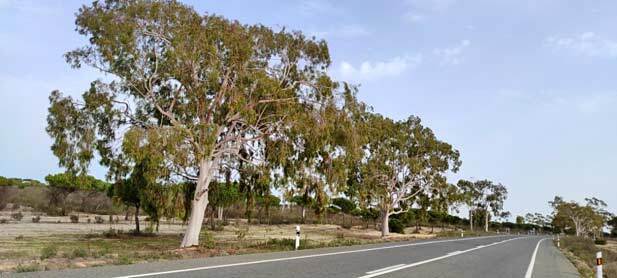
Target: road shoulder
551 263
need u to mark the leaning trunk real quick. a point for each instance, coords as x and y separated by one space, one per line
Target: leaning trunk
199 204
385 221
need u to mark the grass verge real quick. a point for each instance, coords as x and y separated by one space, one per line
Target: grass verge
582 253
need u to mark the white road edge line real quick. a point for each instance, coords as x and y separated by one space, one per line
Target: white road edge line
529 272
435 259
384 269
298 257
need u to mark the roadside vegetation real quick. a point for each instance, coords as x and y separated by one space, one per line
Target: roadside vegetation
585 228
218 138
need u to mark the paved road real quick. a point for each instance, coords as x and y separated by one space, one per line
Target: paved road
497 256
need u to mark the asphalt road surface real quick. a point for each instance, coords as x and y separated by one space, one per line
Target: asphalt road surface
496 256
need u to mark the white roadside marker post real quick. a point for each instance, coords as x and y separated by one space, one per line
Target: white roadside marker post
558 240
599 265
462 234
297 237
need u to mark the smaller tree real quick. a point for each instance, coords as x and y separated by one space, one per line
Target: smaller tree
403 159
223 195
471 196
585 220
63 184
520 220
303 201
495 199
266 203
613 224
131 191
345 205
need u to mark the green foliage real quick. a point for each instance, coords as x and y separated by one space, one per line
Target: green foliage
21 183
369 214
600 241
302 200
224 194
613 224
20 268
78 253
346 205
269 201
207 240
49 252
396 226
36 219
583 219
197 96
63 184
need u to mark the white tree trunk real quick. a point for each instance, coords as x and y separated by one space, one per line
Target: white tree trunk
486 221
303 213
220 213
385 224
199 204
470 220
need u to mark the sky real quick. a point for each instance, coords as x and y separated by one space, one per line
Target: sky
524 89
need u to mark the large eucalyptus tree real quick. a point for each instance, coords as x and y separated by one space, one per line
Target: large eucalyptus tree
402 159
199 87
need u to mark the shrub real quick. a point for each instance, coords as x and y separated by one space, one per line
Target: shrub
27 268
4 221
111 233
19 237
17 216
99 220
48 252
79 253
396 226
600 241
241 233
346 226
36 219
207 241
123 260
74 218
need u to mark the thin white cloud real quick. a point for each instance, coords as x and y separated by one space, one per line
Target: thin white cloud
344 32
452 55
369 70
413 17
586 44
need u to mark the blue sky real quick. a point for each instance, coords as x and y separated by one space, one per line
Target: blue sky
525 89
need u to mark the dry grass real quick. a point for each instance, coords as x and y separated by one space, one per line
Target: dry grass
582 252
26 246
